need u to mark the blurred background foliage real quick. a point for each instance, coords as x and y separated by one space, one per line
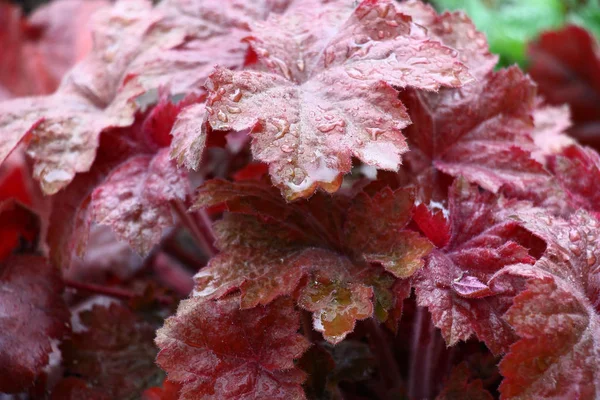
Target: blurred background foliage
511 24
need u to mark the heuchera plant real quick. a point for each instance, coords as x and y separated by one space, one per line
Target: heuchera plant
294 199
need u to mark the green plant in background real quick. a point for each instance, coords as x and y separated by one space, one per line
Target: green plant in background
511 24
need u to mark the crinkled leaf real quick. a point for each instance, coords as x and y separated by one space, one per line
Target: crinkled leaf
557 317
454 284
135 199
327 95
566 66
113 351
219 351
321 249
32 314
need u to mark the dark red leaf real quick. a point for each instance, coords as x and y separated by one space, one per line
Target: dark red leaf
202 350
454 284
32 315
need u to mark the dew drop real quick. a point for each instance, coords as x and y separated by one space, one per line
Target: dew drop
282 125
381 34
221 91
574 235
236 96
287 149
222 116
233 110
591 259
575 249
210 110
374 132
355 73
300 65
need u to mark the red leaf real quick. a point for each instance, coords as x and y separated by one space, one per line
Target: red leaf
577 169
33 314
433 224
135 199
320 249
454 284
566 66
113 351
557 316
201 348
319 106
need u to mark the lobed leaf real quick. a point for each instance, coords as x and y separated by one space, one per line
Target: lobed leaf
322 250
455 282
324 92
201 349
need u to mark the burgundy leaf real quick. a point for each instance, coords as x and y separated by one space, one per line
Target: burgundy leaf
202 350
32 315
454 283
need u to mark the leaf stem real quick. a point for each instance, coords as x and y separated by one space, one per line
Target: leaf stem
193 227
387 363
426 352
118 293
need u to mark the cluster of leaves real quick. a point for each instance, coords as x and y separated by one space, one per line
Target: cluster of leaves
357 204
